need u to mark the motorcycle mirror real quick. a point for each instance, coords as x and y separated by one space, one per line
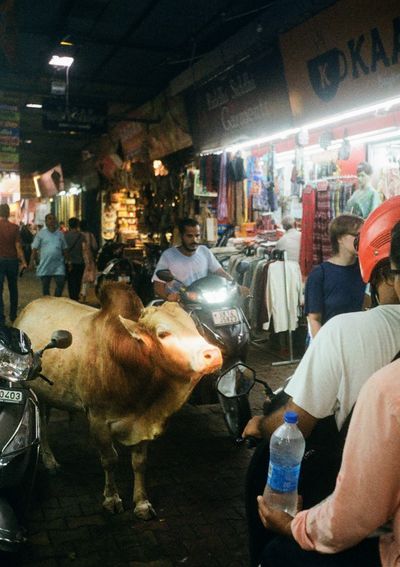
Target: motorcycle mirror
61 339
165 275
243 267
237 381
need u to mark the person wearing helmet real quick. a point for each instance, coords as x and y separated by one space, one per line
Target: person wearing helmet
348 349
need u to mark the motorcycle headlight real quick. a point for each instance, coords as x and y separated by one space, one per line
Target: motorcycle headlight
216 296
14 366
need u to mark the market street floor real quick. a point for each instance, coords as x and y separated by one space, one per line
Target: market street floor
195 482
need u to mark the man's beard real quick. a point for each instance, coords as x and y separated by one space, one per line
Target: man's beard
191 248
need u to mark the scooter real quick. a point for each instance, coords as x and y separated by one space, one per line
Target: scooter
213 303
120 269
19 429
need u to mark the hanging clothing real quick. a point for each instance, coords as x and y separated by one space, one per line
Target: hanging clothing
307 231
321 245
283 295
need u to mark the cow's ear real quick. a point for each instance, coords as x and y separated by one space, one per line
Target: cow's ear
132 329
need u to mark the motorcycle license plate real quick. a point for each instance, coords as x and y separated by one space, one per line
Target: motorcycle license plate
225 317
126 279
11 396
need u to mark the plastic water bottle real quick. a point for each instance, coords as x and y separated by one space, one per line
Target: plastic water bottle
286 452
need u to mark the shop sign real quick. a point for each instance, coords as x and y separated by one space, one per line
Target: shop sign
9 138
347 56
78 116
245 102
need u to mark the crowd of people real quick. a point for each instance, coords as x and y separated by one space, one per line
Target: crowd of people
65 255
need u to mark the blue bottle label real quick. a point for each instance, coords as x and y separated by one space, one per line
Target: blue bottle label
283 479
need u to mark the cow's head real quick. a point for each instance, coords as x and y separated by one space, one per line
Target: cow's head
179 338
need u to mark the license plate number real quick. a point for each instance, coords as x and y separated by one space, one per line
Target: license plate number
11 396
124 279
225 317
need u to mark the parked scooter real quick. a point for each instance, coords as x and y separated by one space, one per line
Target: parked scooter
114 266
213 303
19 429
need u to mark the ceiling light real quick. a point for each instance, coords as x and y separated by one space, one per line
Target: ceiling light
61 61
33 105
65 42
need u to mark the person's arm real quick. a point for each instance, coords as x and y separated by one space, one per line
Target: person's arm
314 323
264 426
314 299
161 290
367 489
314 387
221 272
20 254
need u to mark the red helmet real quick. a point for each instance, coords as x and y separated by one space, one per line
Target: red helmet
375 236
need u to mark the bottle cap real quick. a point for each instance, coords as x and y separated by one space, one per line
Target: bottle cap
291 417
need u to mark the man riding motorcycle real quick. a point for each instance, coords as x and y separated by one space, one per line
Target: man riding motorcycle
188 262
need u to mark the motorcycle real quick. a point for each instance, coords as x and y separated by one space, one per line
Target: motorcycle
213 303
114 266
19 429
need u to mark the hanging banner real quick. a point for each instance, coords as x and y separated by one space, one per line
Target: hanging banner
9 138
245 102
168 134
346 57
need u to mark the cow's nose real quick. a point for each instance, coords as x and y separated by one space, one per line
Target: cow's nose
212 357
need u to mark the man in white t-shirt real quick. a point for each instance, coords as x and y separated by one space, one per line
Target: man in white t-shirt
290 241
188 262
346 352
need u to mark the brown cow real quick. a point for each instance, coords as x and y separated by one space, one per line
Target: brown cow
129 376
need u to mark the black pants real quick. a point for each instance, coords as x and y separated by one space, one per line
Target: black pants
74 279
46 281
9 271
285 552
318 474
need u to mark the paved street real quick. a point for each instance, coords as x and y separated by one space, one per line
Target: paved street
195 483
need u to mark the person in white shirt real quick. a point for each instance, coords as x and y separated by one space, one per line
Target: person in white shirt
290 241
188 262
347 350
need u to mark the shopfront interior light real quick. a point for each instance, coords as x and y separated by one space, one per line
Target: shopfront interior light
33 105
364 138
328 121
61 61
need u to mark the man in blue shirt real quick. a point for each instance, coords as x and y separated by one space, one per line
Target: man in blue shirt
51 247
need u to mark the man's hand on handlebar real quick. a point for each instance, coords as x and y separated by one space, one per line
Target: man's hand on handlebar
173 296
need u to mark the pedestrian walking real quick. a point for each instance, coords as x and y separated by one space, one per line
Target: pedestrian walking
76 264
50 246
11 255
90 253
26 241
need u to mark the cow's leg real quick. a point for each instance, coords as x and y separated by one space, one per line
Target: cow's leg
109 458
48 457
142 507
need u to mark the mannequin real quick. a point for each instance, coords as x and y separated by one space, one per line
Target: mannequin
365 199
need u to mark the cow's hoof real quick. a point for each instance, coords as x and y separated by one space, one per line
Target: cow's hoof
113 504
144 510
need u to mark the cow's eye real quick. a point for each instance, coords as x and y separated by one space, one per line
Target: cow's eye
163 334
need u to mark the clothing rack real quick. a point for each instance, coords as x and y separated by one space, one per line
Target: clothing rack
332 178
281 255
